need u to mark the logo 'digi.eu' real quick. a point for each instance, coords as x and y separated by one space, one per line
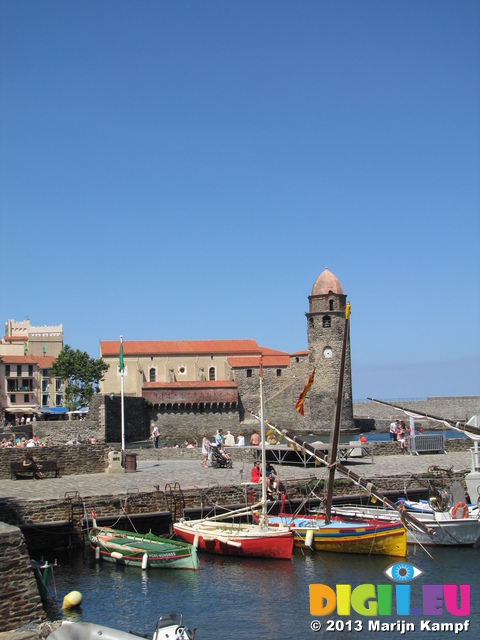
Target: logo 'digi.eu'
377 600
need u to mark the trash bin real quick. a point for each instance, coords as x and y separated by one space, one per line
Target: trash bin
130 462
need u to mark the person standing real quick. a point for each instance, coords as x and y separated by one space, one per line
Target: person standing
205 450
255 439
155 436
393 430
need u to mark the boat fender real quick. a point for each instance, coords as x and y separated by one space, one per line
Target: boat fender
117 555
234 543
72 600
145 561
97 553
309 538
459 511
195 541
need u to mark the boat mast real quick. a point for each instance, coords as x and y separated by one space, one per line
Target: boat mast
336 424
263 517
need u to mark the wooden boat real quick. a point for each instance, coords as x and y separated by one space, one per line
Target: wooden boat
372 537
168 627
141 550
226 535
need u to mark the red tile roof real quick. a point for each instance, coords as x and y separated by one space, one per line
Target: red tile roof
281 360
178 347
44 362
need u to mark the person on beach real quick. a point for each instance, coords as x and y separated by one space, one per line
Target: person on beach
362 438
240 440
219 439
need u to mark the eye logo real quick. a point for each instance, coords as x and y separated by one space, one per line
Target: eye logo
402 572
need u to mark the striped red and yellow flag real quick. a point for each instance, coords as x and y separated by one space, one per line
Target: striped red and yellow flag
306 389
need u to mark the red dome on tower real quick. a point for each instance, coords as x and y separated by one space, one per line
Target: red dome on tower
326 283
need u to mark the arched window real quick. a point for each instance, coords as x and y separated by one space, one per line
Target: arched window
153 375
331 305
311 322
327 322
211 373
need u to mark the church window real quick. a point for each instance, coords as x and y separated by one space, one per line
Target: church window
279 373
311 322
327 322
331 306
152 375
182 369
211 373
249 373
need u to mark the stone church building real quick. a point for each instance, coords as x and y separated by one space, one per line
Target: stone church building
205 384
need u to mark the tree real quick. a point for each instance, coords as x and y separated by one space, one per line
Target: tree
80 374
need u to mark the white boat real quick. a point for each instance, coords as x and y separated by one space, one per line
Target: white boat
169 627
444 528
225 534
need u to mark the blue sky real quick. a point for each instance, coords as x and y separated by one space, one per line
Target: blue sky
186 170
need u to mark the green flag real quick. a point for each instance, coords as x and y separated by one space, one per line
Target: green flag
121 365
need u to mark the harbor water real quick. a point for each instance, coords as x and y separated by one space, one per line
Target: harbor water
240 599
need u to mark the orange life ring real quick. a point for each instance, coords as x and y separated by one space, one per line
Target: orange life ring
460 505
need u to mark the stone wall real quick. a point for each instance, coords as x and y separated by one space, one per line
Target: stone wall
20 601
75 459
136 418
183 423
452 409
62 431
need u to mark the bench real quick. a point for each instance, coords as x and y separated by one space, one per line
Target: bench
46 466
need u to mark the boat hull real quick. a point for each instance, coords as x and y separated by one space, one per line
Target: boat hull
141 550
445 530
372 538
237 539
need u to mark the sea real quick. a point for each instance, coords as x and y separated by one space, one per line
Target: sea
244 598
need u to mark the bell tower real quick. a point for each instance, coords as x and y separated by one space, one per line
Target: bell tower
325 328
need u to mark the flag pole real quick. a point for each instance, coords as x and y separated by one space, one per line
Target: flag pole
121 366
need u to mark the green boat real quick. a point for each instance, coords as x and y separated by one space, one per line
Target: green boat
143 550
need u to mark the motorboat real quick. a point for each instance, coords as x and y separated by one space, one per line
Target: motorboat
169 627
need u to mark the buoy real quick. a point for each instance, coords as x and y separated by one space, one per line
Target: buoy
97 553
459 511
145 561
309 538
72 600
